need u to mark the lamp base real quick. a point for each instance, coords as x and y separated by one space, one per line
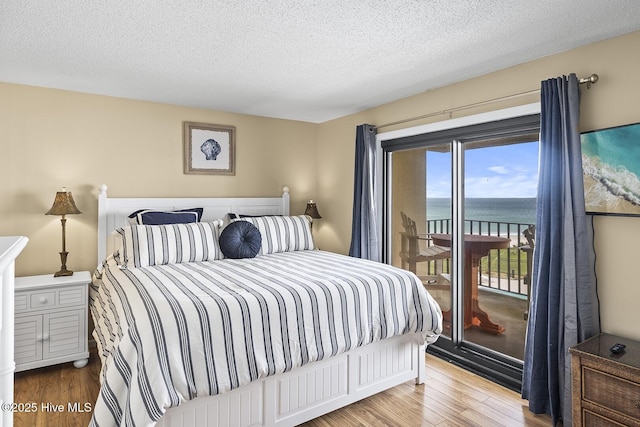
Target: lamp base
63 268
63 272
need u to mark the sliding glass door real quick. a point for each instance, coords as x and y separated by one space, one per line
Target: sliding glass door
458 205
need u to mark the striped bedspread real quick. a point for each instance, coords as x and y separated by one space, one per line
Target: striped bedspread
170 333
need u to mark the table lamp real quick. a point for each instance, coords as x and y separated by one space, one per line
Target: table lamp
312 210
63 205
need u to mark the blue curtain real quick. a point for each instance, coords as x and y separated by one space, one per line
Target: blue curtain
564 309
365 234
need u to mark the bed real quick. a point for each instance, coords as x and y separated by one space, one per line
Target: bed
197 328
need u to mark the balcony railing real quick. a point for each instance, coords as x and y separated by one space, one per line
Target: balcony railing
502 269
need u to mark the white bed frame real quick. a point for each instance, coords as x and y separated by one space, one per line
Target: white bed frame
289 398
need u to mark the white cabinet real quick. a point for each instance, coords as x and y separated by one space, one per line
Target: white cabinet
51 320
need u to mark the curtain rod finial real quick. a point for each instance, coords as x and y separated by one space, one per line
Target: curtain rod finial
593 78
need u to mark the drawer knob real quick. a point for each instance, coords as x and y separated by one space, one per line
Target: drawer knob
43 300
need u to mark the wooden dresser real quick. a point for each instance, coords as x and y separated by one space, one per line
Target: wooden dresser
606 386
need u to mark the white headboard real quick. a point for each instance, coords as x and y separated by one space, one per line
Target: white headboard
113 212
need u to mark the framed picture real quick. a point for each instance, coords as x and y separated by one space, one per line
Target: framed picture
611 168
209 149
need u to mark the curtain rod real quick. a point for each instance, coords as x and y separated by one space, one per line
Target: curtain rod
592 79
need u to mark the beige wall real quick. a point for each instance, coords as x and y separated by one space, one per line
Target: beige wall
613 101
51 138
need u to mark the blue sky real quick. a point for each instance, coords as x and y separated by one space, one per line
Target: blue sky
505 171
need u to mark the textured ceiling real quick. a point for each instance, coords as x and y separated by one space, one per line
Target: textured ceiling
302 60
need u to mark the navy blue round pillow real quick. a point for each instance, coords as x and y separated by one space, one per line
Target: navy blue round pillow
240 239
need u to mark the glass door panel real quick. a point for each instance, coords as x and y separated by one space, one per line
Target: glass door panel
500 180
421 205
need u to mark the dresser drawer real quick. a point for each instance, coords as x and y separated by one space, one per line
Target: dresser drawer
595 420
609 391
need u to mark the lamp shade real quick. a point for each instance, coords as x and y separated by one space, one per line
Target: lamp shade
63 204
312 210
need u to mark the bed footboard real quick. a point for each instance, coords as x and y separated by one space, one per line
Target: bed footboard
310 391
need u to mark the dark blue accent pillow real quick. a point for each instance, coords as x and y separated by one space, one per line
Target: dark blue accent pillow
197 211
160 218
240 239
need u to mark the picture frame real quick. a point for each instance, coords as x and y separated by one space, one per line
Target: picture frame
611 170
209 149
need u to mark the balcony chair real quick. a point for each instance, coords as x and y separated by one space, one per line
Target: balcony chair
412 253
530 235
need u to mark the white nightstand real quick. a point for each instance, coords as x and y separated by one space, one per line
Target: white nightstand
51 320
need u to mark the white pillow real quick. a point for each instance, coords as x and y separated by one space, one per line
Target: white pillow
147 245
283 233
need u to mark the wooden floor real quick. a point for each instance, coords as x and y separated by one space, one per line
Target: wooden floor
47 388
450 397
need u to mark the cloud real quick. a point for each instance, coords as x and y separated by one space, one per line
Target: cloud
499 169
512 185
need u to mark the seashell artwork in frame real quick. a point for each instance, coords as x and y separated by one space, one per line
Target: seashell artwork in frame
209 149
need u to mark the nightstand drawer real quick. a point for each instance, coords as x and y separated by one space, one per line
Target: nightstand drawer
72 295
612 392
42 300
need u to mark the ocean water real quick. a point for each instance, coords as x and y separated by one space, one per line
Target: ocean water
505 210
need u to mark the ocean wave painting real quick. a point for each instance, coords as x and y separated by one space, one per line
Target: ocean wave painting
611 168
